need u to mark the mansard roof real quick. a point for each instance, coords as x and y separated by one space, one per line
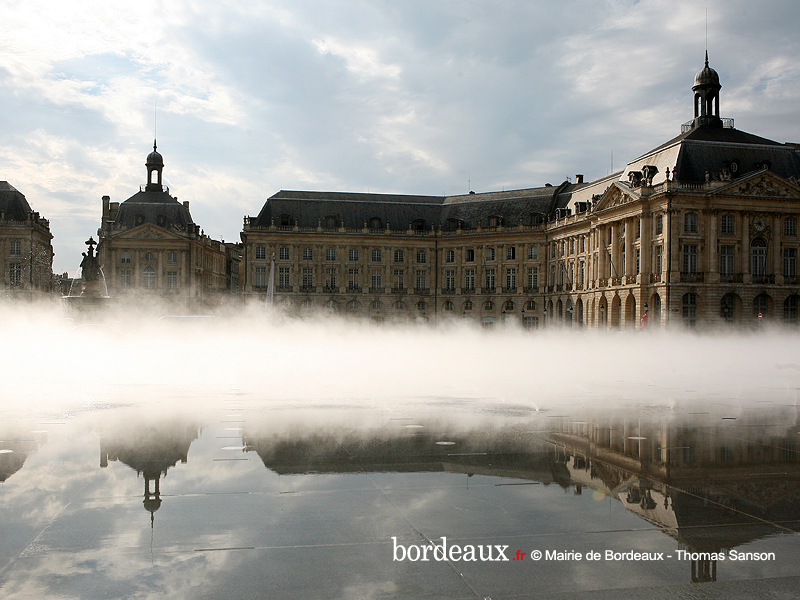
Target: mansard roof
351 209
13 204
156 207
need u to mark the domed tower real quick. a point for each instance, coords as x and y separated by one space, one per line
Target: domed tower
155 164
706 97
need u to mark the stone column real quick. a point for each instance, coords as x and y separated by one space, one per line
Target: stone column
775 250
646 246
629 257
746 277
712 268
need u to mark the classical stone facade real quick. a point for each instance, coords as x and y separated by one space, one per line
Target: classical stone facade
26 249
701 230
149 247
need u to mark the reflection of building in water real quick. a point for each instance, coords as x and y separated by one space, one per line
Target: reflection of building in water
712 488
149 245
498 454
14 450
26 249
150 450
701 230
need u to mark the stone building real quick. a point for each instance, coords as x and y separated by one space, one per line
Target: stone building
149 246
26 248
700 230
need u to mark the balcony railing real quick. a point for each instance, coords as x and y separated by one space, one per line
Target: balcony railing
377 290
422 291
655 277
510 290
448 290
307 288
730 278
353 289
328 289
489 290
692 277
400 290
468 290
532 290
763 278
790 280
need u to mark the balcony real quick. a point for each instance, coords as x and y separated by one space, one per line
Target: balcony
400 290
328 289
532 290
655 277
449 290
510 290
377 290
307 289
763 278
692 277
468 290
422 291
489 290
790 280
730 278
353 289
283 288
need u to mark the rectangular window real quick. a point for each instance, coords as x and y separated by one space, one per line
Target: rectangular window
330 254
572 246
353 281
125 279
690 258
490 276
283 277
583 243
469 255
16 248
172 258
511 253
172 280
659 224
727 224
533 277
399 256
638 257
530 322
422 280
376 279
261 252
308 278
511 278
469 280
790 227
449 256
399 279
330 278
726 261
490 254
15 273
125 258
690 223
790 263
553 251
583 273
377 256
283 254
450 280
352 255
308 254
422 256
533 252
659 258
638 228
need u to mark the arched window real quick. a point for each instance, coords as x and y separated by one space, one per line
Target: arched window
727 308
352 305
531 305
509 305
331 222
758 259
375 223
489 305
421 305
149 278
376 305
399 305
449 305
451 224
494 221
468 305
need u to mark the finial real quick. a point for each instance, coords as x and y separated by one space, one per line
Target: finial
706 58
154 141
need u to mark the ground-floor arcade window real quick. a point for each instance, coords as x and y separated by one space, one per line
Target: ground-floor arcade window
760 306
690 309
530 322
790 310
727 308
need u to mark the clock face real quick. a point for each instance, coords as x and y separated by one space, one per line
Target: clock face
759 223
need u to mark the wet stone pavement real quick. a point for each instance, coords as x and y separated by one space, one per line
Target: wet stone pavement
438 499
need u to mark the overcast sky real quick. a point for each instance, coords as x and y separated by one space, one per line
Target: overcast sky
408 96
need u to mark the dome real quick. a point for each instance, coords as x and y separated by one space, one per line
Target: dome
154 158
706 76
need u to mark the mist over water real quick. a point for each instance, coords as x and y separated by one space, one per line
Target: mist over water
268 360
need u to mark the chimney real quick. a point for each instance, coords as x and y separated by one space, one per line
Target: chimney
579 178
106 200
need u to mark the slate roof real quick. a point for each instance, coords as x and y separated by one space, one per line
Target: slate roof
352 209
710 149
13 204
156 207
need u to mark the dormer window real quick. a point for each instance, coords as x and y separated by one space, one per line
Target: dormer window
331 222
375 223
285 220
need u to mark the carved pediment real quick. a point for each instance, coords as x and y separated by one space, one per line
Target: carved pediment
614 196
763 184
147 232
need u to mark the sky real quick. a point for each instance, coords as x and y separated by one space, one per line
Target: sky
419 97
